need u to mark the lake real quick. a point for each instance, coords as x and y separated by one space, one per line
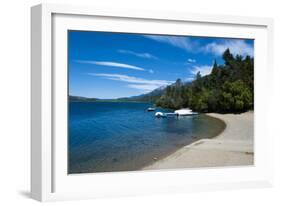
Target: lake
122 136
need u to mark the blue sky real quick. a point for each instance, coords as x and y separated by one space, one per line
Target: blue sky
111 65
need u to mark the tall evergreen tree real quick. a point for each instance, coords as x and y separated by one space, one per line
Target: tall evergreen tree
215 68
227 56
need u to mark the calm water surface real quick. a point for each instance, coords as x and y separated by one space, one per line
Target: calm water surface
109 136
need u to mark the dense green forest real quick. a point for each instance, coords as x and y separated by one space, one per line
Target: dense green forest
229 88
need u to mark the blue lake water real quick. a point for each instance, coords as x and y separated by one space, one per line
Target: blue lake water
119 136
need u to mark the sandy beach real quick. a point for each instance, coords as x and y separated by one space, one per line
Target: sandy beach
233 147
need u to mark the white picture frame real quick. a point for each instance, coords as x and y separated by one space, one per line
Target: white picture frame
49 180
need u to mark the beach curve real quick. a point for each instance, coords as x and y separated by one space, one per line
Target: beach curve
232 147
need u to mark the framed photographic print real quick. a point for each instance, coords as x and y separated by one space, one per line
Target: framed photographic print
134 102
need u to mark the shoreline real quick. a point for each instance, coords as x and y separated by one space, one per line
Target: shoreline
234 146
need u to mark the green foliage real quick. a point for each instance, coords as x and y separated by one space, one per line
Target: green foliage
235 96
229 88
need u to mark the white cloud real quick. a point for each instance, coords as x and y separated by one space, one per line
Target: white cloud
142 55
191 60
204 70
235 46
137 83
176 41
111 64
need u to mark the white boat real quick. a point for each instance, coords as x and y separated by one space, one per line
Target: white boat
159 114
180 112
185 112
150 109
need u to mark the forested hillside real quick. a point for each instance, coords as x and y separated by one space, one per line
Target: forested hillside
229 88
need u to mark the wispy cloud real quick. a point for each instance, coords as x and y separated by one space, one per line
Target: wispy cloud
146 85
191 60
204 70
142 55
235 46
177 41
131 79
111 64
143 87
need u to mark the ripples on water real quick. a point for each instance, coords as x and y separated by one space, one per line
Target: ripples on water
118 136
